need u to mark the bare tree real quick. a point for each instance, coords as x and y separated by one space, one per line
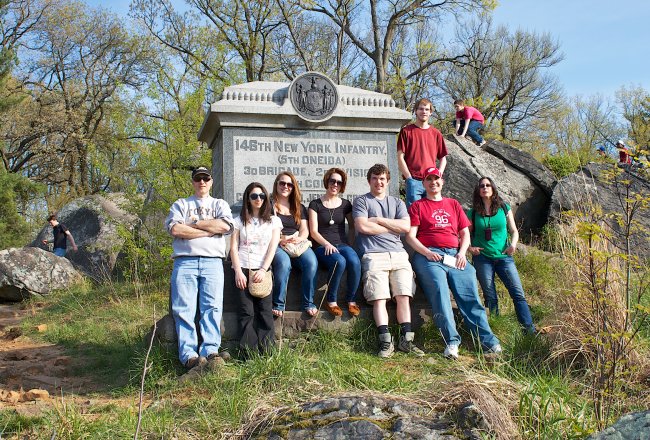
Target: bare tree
505 75
374 27
307 42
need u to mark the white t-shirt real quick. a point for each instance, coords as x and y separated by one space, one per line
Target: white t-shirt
254 240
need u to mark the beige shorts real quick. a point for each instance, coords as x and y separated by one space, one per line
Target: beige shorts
386 272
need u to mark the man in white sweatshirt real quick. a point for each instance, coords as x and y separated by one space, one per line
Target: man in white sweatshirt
198 224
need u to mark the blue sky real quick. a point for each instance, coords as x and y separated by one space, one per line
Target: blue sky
606 44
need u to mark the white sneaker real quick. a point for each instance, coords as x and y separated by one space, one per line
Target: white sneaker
495 349
451 352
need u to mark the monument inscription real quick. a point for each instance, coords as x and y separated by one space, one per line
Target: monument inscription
261 158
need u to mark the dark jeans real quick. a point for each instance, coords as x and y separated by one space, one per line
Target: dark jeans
255 322
472 130
345 258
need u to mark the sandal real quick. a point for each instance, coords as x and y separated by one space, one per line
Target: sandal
312 311
277 313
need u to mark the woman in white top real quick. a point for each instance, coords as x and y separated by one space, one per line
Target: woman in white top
254 241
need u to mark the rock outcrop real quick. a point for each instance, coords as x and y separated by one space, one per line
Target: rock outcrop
635 426
522 182
604 185
30 272
94 221
365 417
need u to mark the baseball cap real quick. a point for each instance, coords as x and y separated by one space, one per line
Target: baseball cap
432 171
201 170
620 141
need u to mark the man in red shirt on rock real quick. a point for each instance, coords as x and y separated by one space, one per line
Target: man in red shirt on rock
473 121
419 145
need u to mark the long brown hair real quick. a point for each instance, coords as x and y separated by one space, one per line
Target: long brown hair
247 210
294 197
477 201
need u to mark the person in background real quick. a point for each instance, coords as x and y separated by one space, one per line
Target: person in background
472 121
624 155
440 236
419 145
252 247
379 219
492 219
295 229
198 224
61 237
327 216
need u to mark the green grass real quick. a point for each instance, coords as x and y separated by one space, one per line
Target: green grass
105 327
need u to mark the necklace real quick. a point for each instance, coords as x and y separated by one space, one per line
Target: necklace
331 211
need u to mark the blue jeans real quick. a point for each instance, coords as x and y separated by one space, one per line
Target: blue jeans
436 279
472 131
202 276
282 264
345 258
507 271
59 252
414 191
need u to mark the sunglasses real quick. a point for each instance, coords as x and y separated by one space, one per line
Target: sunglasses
255 196
335 182
287 184
485 185
199 178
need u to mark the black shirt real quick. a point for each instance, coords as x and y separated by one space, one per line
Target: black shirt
334 233
289 225
60 238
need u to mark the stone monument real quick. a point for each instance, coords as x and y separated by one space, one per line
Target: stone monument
259 129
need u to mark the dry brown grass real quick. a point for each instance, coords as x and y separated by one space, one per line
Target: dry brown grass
495 397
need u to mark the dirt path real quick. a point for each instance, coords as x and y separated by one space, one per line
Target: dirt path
32 373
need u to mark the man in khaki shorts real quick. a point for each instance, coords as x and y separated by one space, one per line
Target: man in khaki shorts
379 219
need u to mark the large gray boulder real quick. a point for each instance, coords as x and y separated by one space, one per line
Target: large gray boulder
526 187
355 417
607 186
94 222
30 272
635 426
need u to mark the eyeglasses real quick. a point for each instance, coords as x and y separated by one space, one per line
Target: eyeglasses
287 184
485 185
255 196
335 182
199 178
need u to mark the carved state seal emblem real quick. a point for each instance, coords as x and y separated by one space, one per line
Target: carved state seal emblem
313 96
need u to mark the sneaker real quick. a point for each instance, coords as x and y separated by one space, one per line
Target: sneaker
386 347
195 368
225 355
482 143
495 349
451 352
407 346
198 361
215 362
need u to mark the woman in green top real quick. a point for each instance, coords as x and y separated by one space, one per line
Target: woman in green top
492 219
